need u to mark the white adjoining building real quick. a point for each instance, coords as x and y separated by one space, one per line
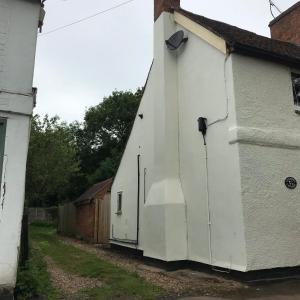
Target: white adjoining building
19 22
233 200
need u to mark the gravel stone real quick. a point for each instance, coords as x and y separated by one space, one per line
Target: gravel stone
69 284
181 282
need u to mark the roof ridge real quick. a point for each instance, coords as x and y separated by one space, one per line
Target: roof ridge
248 42
221 22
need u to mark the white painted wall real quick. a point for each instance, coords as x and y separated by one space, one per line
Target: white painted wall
205 90
224 204
269 134
174 220
16 145
18 34
18 23
140 142
155 138
164 212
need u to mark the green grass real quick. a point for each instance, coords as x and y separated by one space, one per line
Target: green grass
49 224
33 279
117 282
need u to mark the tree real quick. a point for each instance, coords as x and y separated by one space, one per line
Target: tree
102 138
110 122
52 162
64 159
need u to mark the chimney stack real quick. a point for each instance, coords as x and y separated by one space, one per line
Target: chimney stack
164 5
286 27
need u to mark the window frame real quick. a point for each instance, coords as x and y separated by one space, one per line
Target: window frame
3 126
119 203
296 100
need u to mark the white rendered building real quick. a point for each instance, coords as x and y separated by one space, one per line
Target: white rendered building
19 22
232 202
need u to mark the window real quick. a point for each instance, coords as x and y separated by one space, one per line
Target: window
296 91
119 208
2 144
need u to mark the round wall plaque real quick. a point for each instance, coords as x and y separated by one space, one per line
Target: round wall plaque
291 183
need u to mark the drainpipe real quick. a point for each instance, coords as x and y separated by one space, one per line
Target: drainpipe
138 200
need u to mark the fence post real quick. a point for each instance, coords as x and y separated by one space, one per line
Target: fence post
24 252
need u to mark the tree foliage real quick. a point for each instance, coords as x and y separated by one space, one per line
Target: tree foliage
102 137
64 159
51 163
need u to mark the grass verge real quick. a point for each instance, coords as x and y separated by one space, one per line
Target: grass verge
117 282
33 279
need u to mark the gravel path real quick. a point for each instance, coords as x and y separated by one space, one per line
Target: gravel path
67 283
181 282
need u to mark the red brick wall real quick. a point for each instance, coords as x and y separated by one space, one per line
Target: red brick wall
86 221
164 5
287 28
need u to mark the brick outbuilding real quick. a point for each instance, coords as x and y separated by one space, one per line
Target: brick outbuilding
93 213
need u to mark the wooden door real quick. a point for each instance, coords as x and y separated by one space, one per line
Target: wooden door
102 220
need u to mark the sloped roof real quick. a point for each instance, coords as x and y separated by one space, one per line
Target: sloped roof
249 43
97 190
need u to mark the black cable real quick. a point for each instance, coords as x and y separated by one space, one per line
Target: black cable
272 4
88 17
279 10
272 12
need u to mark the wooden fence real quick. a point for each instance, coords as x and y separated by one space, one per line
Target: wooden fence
40 214
89 221
67 219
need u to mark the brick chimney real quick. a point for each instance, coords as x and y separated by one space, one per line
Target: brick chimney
286 27
164 5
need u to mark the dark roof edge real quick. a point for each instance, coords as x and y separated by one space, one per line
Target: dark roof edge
91 193
284 13
83 202
258 53
253 51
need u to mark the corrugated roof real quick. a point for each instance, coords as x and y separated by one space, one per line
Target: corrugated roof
98 189
249 43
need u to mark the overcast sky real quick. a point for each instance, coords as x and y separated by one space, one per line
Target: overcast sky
77 66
